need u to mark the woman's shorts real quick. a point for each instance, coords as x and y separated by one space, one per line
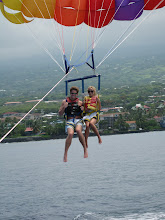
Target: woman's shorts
89 116
72 123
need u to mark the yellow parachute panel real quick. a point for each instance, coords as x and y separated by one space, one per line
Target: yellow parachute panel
13 4
16 18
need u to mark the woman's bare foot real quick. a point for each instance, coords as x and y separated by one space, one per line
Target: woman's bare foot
100 140
85 153
65 158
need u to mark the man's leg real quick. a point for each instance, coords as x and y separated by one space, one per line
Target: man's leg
82 139
93 127
68 142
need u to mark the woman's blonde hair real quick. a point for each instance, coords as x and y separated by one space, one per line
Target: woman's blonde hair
93 88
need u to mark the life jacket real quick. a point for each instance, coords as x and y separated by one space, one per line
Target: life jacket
73 108
90 103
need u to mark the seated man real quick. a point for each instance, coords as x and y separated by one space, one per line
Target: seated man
72 108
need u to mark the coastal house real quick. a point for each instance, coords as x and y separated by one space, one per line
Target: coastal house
162 122
132 125
157 118
139 106
114 109
12 103
28 131
19 115
11 114
111 118
32 101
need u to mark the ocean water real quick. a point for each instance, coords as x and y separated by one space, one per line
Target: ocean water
123 178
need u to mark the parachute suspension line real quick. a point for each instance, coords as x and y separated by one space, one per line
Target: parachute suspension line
101 34
71 53
110 52
92 30
50 16
34 106
58 31
76 42
43 47
38 8
62 32
127 27
98 38
88 30
47 9
93 62
59 46
68 66
100 13
100 17
93 40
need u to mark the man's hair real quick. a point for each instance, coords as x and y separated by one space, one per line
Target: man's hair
74 88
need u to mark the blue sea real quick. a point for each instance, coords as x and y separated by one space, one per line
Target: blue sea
123 179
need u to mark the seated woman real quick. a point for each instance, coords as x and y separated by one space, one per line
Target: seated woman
92 105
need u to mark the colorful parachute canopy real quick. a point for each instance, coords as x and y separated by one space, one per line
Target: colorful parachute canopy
74 12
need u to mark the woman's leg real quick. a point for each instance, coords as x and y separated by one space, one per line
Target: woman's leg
82 139
86 133
92 124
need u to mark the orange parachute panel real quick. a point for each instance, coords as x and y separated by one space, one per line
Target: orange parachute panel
39 8
150 5
70 12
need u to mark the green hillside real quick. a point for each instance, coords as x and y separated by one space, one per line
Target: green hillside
34 80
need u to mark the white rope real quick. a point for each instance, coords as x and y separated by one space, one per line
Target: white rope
34 106
110 52
46 50
37 40
58 44
128 27
75 45
61 47
98 38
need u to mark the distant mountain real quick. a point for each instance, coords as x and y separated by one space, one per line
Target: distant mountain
35 76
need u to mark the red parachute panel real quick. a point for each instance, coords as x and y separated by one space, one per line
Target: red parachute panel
99 13
150 5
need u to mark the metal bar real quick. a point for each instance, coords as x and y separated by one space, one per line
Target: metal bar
85 77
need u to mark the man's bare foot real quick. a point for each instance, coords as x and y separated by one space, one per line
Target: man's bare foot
65 158
85 153
100 141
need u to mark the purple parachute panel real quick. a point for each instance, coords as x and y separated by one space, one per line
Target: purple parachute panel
128 10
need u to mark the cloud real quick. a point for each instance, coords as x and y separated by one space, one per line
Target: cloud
26 40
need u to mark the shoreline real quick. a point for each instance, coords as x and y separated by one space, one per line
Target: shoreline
42 138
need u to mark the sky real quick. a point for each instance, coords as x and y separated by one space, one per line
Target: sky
38 38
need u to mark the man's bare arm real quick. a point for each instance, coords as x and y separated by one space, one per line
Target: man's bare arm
64 105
